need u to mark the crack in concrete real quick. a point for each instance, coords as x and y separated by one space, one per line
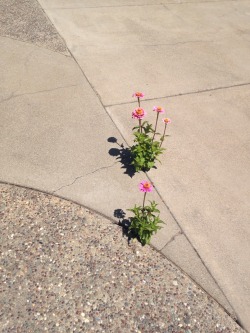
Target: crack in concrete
8 98
36 92
177 43
82 176
140 5
194 2
183 94
151 45
108 6
172 239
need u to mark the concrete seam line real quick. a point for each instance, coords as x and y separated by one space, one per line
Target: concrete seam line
183 94
233 316
99 97
73 57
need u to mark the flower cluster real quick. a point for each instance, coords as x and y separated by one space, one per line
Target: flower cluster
147 149
144 153
140 113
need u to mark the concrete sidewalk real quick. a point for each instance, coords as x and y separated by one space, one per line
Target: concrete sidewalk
59 110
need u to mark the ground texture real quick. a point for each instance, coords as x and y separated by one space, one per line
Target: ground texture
67 269
25 20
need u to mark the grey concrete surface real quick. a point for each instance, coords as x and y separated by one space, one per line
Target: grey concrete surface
173 49
54 136
55 129
204 179
25 20
42 121
51 119
189 47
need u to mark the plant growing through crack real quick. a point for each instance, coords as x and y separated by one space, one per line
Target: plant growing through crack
146 150
146 220
143 155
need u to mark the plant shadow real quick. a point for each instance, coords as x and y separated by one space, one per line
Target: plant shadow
125 224
123 155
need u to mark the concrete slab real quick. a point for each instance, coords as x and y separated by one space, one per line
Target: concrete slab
188 47
47 109
204 179
54 137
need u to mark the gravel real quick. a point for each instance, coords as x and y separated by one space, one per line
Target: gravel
25 20
67 269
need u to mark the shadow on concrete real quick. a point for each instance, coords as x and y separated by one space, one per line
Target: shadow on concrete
123 155
124 223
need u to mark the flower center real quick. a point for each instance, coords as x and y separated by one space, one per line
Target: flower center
138 94
139 112
146 185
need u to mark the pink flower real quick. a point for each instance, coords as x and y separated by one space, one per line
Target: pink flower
138 94
158 109
145 186
138 113
166 120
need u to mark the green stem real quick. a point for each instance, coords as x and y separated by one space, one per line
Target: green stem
143 204
144 200
140 129
163 137
155 126
139 103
